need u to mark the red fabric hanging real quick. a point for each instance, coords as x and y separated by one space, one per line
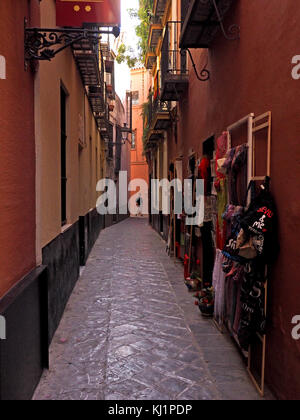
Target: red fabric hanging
222 146
203 172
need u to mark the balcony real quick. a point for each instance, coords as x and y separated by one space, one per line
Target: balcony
161 115
154 137
174 72
106 53
105 50
157 119
150 60
109 141
150 137
96 99
86 55
101 95
156 30
159 7
110 151
90 58
202 22
104 124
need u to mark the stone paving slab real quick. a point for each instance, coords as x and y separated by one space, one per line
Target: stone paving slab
131 332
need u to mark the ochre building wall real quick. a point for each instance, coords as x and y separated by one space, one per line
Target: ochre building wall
81 165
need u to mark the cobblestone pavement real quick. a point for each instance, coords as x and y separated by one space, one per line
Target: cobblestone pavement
131 331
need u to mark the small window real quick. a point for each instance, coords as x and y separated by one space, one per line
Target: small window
135 98
133 140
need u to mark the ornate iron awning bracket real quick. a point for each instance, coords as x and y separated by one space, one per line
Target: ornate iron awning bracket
234 30
46 43
204 75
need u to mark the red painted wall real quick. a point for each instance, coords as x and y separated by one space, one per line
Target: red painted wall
254 75
17 157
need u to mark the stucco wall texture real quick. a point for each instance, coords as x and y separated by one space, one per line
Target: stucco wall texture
17 156
81 163
140 82
139 167
254 75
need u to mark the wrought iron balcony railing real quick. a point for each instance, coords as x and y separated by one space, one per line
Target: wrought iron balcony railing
174 72
156 30
154 20
110 143
159 7
161 117
203 19
150 59
156 119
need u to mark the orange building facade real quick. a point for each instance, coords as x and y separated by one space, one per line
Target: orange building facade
140 84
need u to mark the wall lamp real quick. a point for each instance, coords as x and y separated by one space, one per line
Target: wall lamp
125 131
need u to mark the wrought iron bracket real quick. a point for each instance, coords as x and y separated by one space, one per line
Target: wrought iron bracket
46 43
233 32
204 73
174 115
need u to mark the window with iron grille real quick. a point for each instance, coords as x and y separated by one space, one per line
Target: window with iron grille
133 140
135 98
118 150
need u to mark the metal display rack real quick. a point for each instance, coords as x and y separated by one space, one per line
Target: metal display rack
255 125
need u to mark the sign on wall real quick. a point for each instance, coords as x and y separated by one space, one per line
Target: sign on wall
75 13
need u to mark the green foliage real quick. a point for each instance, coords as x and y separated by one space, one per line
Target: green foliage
142 30
146 114
125 53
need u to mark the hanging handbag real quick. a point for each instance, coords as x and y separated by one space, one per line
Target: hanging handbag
260 223
237 239
246 247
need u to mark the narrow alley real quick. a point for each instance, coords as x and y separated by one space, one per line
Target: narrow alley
149 201
130 332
